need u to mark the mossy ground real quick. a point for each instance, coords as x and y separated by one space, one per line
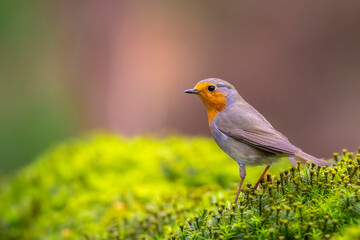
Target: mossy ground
108 187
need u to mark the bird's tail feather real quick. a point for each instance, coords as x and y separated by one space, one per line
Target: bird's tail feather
293 161
307 157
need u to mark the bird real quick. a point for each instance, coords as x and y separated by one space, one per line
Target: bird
242 132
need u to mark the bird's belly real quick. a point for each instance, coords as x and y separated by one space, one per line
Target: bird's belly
243 153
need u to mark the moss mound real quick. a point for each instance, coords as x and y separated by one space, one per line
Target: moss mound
107 187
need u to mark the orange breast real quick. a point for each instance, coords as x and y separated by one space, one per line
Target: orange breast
214 103
211 115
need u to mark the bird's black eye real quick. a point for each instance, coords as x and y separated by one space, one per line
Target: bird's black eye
211 88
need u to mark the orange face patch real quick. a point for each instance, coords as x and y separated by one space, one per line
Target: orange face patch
214 101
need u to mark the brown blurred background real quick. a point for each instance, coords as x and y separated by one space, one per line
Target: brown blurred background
67 67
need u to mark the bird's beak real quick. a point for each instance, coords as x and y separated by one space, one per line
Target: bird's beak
192 91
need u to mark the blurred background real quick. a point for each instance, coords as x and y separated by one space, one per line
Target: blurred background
68 67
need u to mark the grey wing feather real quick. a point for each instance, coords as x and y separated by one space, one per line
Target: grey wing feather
264 142
247 125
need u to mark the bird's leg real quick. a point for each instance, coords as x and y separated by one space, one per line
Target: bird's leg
242 172
262 176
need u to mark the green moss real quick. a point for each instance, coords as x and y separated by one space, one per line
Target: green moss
107 187
350 233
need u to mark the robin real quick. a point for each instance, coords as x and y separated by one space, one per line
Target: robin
242 132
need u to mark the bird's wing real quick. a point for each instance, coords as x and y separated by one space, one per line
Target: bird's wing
247 125
261 141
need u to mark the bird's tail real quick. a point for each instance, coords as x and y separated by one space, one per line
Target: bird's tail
307 157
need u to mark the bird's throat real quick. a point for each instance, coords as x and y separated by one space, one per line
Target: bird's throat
211 115
214 106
